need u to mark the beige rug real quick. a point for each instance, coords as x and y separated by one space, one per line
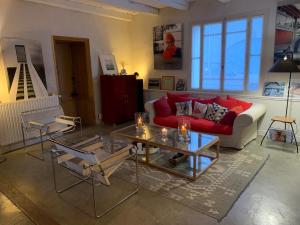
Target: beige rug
215 192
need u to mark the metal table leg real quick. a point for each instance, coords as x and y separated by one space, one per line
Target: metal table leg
294 136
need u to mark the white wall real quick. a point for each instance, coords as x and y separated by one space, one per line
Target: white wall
40 22
210 10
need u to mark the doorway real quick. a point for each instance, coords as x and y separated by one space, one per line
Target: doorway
74 77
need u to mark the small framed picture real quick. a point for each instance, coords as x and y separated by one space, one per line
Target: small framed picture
154 83
168 83
180 85
108 64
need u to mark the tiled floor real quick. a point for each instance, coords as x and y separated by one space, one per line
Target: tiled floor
273 197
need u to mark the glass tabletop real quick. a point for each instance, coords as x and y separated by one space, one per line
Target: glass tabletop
144 134
197 142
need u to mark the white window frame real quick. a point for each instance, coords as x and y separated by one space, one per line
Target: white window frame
247 57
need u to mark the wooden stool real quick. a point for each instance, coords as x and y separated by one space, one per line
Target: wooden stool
285 120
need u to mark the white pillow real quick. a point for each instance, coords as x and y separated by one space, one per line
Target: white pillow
184 108
199 110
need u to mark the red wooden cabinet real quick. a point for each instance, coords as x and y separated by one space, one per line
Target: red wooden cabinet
118 98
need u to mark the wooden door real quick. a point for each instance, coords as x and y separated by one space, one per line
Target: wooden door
64 74
75 79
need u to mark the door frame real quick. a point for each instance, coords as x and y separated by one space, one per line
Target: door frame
86 42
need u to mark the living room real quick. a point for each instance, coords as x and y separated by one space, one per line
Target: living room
230 57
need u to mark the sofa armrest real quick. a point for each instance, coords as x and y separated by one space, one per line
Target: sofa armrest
149 107
249 116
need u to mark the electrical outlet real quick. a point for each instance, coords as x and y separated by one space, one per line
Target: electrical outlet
99 116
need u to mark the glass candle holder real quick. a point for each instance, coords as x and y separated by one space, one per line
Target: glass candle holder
139 120
164 134
184 129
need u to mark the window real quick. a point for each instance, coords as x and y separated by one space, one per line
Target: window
231 55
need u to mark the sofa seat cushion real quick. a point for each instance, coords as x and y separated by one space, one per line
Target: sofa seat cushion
199 125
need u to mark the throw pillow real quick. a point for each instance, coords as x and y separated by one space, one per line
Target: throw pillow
215 112
183 108
226 102
161 107
210 115
244 104
229 118
173 98
219 111
205 101
199 110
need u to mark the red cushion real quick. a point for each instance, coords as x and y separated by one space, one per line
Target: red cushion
245 105
173 98
205 101
199 125
230 116
226 102
161 107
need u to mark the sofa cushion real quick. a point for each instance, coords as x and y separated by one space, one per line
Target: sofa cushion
184 108
231 115
199 110
227 103
162 107
199 125
244 104
173 98
205 101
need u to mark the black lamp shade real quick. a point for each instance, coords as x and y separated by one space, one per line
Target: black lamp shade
284 65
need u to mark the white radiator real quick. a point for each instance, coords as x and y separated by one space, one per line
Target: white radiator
10 120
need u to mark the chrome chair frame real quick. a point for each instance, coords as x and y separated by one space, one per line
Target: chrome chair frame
43 128
90 179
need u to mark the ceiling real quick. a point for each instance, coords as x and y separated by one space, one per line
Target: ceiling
118 9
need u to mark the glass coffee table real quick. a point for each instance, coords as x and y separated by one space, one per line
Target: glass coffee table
194 157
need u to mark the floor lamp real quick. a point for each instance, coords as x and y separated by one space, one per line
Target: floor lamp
284 65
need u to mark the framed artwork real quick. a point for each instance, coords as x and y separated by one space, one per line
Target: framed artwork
180 85
23 60
167 47
108 64
154 83
274 88
168 83
287 32
285 136
295 88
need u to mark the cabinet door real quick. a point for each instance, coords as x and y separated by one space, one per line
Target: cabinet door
131 99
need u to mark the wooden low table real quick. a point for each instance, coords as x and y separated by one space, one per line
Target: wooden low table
196 162
286 120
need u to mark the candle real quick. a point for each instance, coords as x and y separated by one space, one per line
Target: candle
139 123
183 131
164 133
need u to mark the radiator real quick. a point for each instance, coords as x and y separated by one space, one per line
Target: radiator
10 120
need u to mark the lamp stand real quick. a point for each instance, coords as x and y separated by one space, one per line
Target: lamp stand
288 96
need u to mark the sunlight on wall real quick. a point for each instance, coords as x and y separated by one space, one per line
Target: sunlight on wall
6 6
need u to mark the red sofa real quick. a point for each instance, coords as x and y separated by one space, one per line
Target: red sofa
236 132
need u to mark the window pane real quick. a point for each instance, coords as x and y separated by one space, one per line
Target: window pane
196 40
236 26
254 73
255 53
256 35
212 56
196 48
235 54
195 73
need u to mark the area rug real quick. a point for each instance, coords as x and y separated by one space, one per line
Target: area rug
215 192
